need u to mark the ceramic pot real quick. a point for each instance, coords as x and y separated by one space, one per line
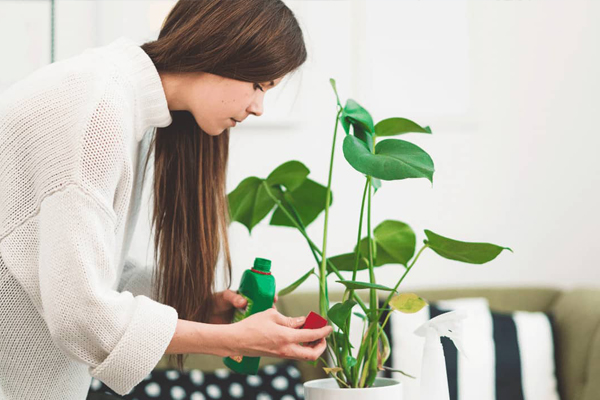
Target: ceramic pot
328 389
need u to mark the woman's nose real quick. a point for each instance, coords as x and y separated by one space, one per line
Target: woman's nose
256 107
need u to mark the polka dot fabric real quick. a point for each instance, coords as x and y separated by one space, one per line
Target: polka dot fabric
273 382
71 136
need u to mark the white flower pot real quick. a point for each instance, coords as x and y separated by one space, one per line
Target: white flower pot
328 389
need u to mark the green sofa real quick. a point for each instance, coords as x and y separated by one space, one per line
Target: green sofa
576 314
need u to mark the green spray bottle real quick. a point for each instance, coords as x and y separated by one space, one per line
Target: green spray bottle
258 287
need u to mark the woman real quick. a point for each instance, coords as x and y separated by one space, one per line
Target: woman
73 136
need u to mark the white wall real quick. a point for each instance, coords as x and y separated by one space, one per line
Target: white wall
508 88
516 169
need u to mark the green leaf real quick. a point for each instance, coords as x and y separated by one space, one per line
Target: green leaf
354 114
398 126
290 174
293 286
360 315
249 202
394 159
339 338
408 303
376 183
345 262
363 135
339 313
333 85
385 352
308 200
332 370
395 243
468 252
364 285
350 361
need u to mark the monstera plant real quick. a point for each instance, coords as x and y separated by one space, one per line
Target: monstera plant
297 201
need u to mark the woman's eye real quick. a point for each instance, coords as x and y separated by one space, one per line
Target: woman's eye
257 86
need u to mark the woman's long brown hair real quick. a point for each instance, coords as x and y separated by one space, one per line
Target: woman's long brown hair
247 40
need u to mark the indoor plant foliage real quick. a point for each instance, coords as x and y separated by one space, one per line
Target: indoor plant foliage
298 201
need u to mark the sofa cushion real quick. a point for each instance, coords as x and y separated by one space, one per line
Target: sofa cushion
577 315
509 356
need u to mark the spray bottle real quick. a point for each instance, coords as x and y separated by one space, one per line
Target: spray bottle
258 288
434 378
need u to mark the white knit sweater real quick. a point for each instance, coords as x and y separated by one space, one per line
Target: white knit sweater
72 306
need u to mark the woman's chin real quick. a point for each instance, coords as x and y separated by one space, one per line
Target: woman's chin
210 130
218 132
214 131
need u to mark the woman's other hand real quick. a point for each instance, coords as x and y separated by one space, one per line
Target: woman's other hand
225 303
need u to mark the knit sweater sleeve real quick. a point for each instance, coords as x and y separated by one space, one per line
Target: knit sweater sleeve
121 337
137 279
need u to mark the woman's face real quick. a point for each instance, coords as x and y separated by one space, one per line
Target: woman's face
215 101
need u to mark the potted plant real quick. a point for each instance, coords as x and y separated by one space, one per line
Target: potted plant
298 200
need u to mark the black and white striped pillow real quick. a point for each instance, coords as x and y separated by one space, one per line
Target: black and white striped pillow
510 356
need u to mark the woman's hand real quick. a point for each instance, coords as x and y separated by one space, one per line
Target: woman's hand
225 303
269 333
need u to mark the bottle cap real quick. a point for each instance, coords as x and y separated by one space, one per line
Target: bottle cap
262 264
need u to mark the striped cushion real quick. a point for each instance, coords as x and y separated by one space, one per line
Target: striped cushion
509 356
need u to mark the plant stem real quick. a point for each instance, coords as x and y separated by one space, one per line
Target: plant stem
365 368
323 298
360 220
372 291
370 365
298 221
332 354
361 352
338 359
378 333
355 370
